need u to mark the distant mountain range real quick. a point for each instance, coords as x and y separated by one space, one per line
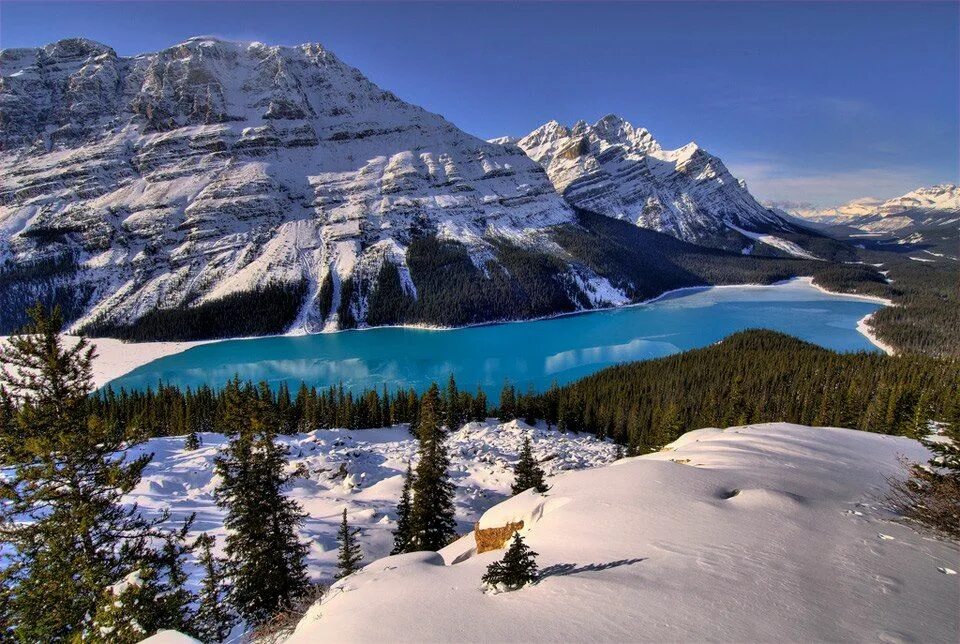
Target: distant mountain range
928 206
927 219
226 188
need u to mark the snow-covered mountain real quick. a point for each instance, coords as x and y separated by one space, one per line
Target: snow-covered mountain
214 168
615 169
771 532
928 206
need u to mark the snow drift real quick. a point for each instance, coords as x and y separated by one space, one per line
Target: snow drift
760 533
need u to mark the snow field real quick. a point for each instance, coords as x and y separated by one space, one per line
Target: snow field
772 532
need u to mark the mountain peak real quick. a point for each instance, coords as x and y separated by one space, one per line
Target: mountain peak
611 120
71 48
616 169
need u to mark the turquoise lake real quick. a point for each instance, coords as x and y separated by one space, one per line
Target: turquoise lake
526 353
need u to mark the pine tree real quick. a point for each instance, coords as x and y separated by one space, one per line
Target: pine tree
64 531
432 511
403 535
192 441
527 472
530 407
479 409
454 414
930 495
213 620
350 555
265 559
517 568
551 401
508 403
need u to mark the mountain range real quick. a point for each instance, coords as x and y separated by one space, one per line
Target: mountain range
927 218
236 188
927 206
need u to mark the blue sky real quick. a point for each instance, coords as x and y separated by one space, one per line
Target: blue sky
815 102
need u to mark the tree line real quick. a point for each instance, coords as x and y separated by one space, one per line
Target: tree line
758 376
752 376
171 411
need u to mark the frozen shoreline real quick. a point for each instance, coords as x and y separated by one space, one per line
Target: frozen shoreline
863 324
116 358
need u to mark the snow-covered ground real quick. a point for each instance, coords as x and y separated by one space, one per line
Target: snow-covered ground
361 471
770 532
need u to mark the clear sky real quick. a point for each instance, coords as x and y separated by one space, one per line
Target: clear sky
816 102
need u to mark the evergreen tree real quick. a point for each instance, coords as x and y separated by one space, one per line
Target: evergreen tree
550 403
351 554
454 416
527 473
65 533
403 535
530 407
930 495
432 510
265 559
517 568
214 620
479 407
192 441
508 403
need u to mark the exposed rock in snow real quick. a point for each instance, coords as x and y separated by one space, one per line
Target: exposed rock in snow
361 471
615 169
758 533
216 167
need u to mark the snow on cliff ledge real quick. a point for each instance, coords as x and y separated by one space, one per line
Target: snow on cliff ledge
760 533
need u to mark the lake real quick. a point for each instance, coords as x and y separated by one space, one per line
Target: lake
527 353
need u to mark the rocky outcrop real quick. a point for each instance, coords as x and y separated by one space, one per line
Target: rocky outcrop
494 538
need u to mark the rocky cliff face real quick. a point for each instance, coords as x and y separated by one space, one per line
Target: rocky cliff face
615 169
213 168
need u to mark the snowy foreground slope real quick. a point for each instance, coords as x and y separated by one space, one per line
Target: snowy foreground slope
361 471
760 533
